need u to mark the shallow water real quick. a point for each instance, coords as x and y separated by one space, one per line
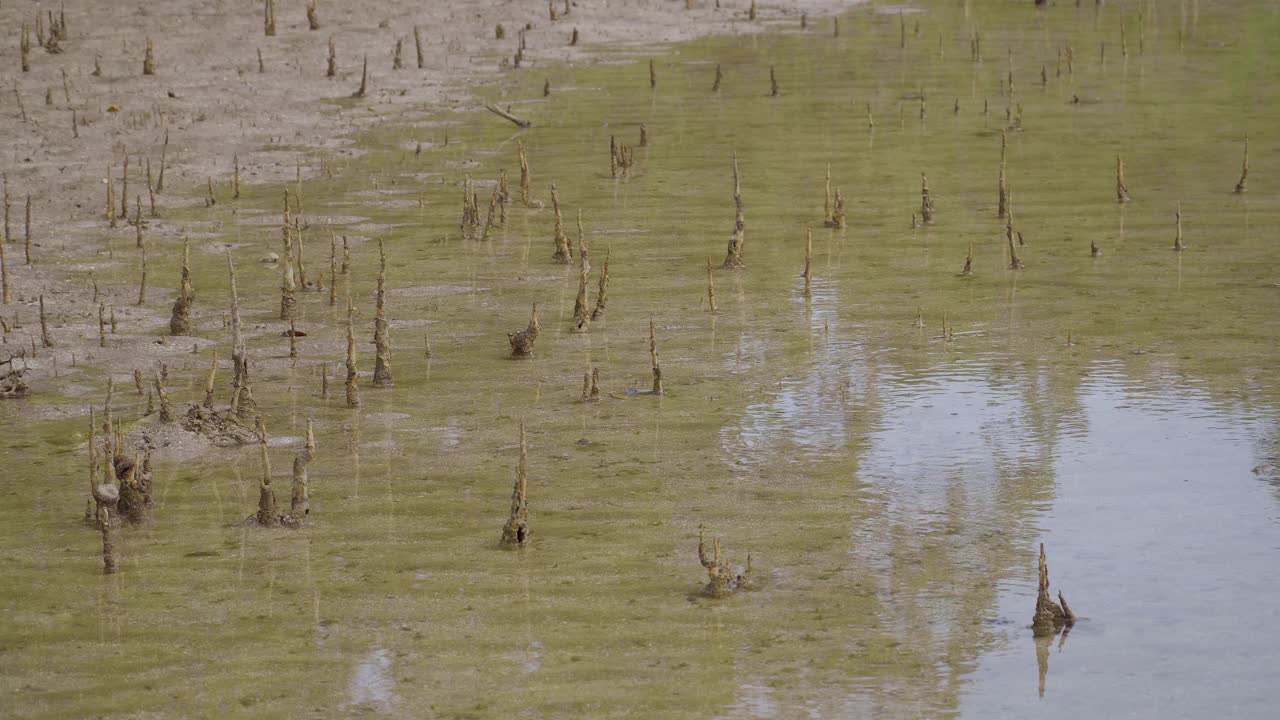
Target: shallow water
891 486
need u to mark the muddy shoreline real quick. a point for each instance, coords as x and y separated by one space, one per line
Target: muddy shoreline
225 94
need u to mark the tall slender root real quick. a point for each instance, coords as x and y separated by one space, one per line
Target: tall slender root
733 258
381 342
653 359
180 319
581 313
602 290
516 529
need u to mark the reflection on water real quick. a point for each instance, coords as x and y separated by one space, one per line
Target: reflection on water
1140 492
372 688
1165 547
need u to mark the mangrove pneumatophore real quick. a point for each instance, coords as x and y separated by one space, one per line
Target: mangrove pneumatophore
722 580
180 319
522 341
733 258
381 342
516 530
1050 616
1122 192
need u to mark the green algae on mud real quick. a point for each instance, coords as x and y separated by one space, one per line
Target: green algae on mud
784 424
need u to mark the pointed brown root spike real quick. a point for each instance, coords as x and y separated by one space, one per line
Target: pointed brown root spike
133 502
417 46
525 179
137 223
353 378
288 286
267 515
397 61
1177 239
581 314
733 258
111 200
45 339
564 252
333 269
1244 169
149 60
166 410
208 386
491 218
235 177
269 18
1049 617
364 79
5 295
180 320
124 189
773 83
715 87
752 13
313 18
108 542
142 281
1094 250
926 202
164 149
1004 185
593 395
644 136
332 69
24 45
1069 618
243 405
808 261
602 290
522 341
546 88
381 342
1122 192
826 200
102 315
137 381
968 261
720 576
1015 262
469 219
711 287
300 497
653 76
151 191
27 236
838 212
653 358
516 530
